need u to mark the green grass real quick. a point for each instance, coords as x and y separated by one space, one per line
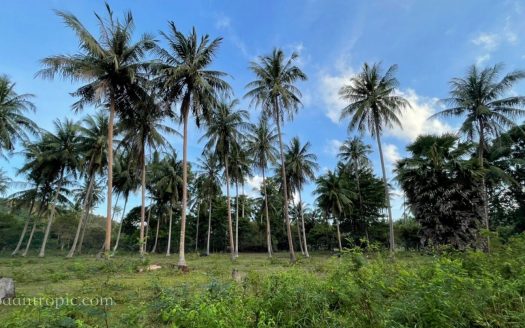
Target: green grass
441 289
120 279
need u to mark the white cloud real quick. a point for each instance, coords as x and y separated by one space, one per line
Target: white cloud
391 153
329 87
253 185
415 120
332 147
480 60
223 22
489 41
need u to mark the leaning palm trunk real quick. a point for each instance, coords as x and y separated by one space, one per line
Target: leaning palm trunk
268 232
154 249
236 219
338 235
168 250
51 216
209 230
387 195
228 209
31 234
83 217
197 228
302 224
285 187
24 230
182 242
120 226
107 241
143 204
299 236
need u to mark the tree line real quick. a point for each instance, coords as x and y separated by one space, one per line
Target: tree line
455 185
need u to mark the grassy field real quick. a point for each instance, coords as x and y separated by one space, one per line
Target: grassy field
439 289
121 279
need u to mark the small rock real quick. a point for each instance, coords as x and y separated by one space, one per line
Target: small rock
7 288
237 276
153 267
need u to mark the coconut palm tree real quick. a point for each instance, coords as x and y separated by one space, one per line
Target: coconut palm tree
93 147
126 181
209 172
184 76
333 197
483 98
14 125
301 166
355 153
239 170
143 128
110 67
61 151
168 181
275 91
223 134
373 106
261 145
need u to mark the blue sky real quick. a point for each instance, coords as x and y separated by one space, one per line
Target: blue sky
431 41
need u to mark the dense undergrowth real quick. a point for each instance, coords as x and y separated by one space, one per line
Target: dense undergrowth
439 289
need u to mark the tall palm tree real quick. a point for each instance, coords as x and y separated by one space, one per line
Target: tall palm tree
275 91
126 181
185 77
93 147
169 183
143 128
240 169
62 155
483 98
209 171
110 67
14 125
333 197
301 166
374 105
223 134
355 155
261 145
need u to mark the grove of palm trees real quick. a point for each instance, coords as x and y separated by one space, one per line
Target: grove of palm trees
173 194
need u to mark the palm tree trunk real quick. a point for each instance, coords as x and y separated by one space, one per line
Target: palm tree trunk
26 225
285 187
236 219
107 242
120 226
302 224
30 237
154 249
87 200
197 233
209 230
143 202
243 198
146 236
170 211
483 183
51 215
228 209
338 235
387 195
185 113
299 236
268 231
358 181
